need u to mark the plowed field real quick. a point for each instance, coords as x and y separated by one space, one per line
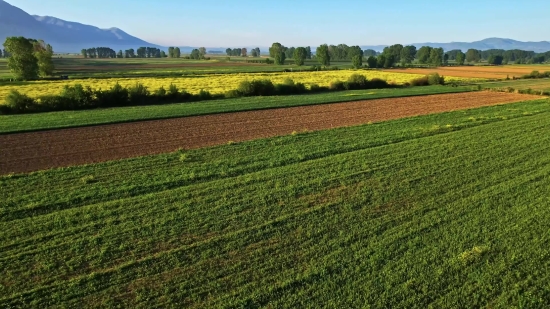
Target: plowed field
27 152
491 72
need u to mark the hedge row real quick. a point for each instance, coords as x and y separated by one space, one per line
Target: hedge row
78 97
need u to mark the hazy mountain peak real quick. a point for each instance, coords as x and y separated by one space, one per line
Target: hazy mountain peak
64 36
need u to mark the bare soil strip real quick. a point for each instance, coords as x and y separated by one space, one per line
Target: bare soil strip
26 152
491 72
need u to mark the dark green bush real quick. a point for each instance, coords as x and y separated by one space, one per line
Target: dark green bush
233 94
435 79
421 81
138 94
75 97
204 95
356 81
290 87
336 85
377 83
260 87
18 103
116 96
55 103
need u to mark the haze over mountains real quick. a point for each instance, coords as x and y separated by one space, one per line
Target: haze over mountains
71 37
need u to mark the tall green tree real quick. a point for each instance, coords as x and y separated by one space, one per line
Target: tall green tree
177 52
202 52
84 53
277 52
22 61
473 55
372 62
120 55
1 54
308 52
436 56
44 53
460 57
244 52
171 52
423 54
393 53
300 55
323 55
381 60
407 54
370 52
357 61
195 54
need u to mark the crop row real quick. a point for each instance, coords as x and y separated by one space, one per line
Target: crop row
445 210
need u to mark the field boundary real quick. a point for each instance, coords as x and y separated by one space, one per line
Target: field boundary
27 152
246 109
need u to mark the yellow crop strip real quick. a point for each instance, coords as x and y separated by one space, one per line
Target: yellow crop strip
214 83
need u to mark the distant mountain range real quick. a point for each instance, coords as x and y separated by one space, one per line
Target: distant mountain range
63 35
71 37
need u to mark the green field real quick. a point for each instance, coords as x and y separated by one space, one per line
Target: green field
76 67
542 84
33 122
443 211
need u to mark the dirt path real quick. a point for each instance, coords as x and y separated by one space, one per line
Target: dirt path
34 151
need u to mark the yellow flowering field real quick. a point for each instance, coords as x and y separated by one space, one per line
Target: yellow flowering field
215 83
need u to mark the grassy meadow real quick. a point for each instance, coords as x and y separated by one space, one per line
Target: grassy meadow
542 84
445 211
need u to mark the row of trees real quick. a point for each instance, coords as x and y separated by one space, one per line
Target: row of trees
29 58
402 55
99 52
174 52
106 52
242 52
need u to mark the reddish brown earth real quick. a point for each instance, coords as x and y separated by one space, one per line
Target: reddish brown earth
34 151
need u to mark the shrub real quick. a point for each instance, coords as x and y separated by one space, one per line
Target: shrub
55 103
17 102
314 88
421 81
4 110
204 95
116 96
377 83
161 92
336 85
357 81
73 97
138 94
435 79
233 94
260 87
290 87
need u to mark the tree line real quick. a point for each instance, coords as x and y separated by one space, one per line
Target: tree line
28 58
106 52
401 55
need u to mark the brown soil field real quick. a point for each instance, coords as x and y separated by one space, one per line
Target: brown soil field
26 152
490 72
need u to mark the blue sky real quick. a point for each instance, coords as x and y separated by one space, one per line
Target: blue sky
214 23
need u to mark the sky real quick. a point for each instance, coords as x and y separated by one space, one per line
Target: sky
225 23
